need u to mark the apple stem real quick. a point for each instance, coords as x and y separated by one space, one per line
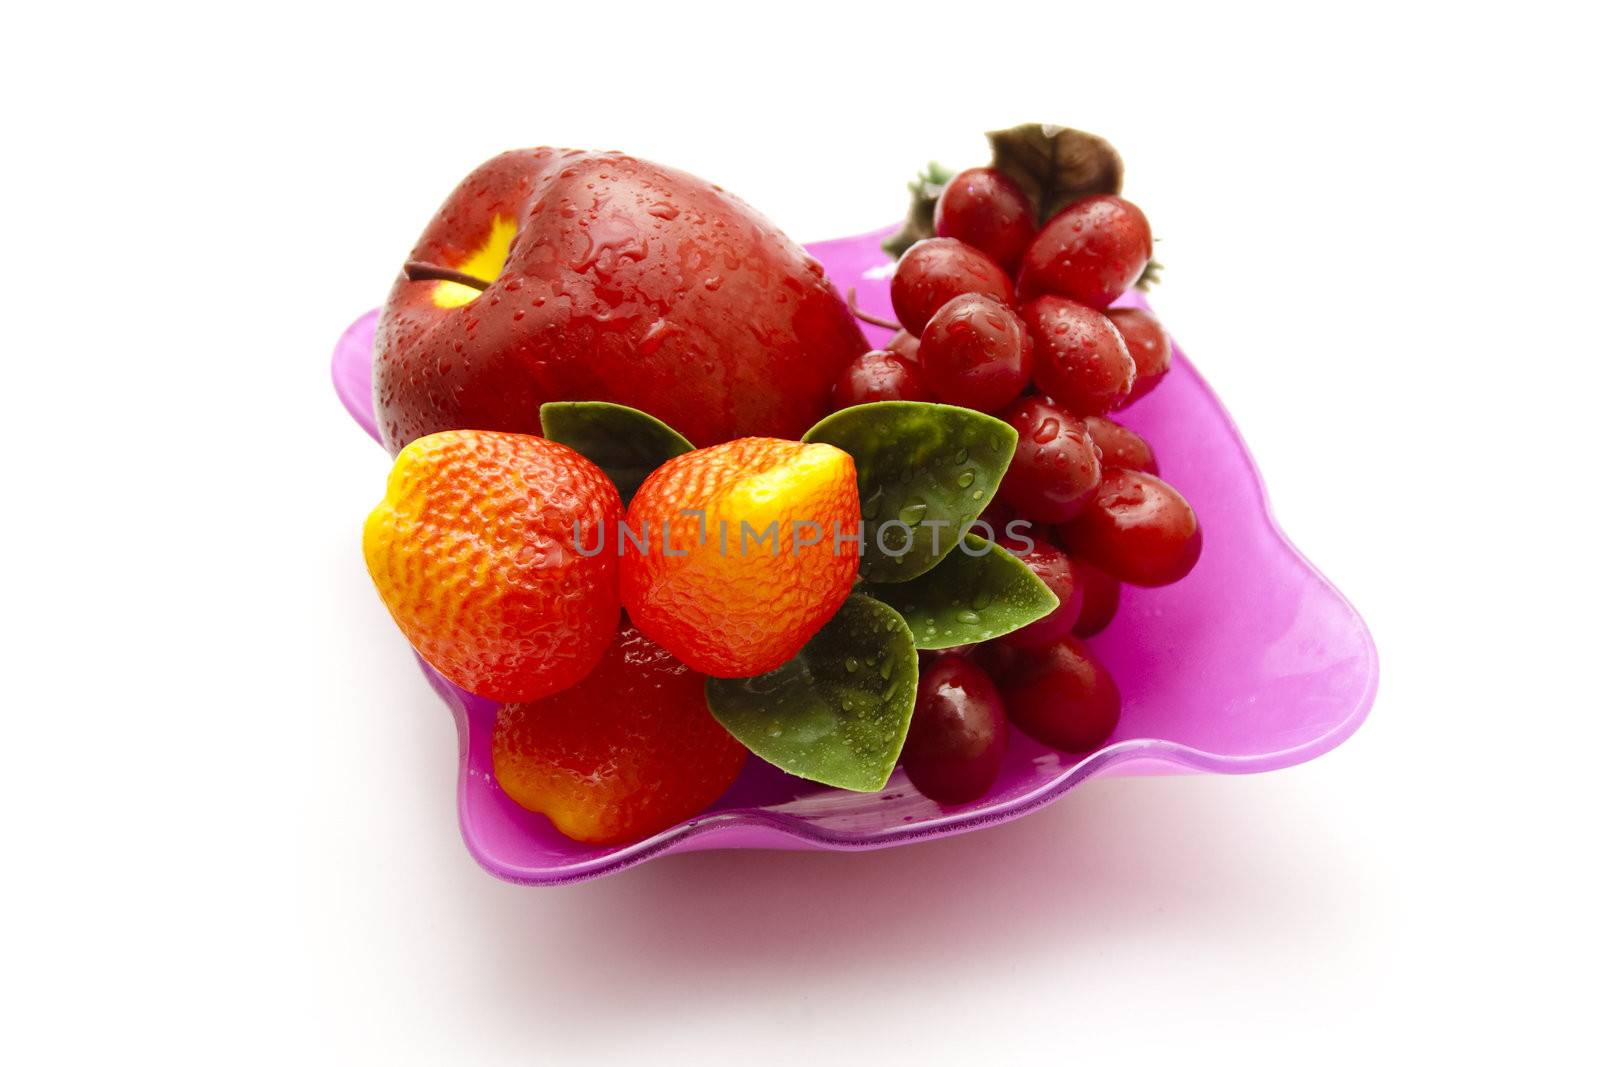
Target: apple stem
432 272
850 302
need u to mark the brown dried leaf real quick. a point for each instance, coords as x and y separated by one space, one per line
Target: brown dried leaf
1055 165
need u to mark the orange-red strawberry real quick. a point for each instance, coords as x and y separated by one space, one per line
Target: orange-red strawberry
749 547
628 751
473 550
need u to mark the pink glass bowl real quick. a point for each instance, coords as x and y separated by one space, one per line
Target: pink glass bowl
1251 663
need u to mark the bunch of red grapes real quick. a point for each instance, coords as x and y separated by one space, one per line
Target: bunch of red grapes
1013 319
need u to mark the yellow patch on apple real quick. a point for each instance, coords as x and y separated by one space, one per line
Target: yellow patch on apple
486 262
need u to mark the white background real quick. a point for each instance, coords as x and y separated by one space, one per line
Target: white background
228 795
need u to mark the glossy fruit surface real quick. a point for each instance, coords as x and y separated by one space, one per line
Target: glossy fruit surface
1057 571
472 551
739 569
1079 358
1061 696
976 353
1056 468
1102 595
935 271
1137 529
987 210
904 345
1120 446
1147 343
880 375
1000 522
995 517
1092 252
630 750
609 278
957 739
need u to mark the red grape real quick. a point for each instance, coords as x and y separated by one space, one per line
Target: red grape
903 345
1007 526
1137 529
1080 360
988 211
1057 571
1056 469
957 739
1120 446
1101 596
879 375
997 514
936 270
1059 695
1091 252
1148 345
975 352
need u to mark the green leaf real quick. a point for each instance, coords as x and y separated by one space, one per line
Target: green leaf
924 471
925 192
624 442
976 593
1149 277
838 712
1056 165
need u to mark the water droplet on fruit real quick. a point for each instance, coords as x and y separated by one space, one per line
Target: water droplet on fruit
617 236
653 337
713 283
1047 431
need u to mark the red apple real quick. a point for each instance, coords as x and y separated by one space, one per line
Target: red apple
597 276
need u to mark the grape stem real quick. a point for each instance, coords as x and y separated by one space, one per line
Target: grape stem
850 302
418 271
